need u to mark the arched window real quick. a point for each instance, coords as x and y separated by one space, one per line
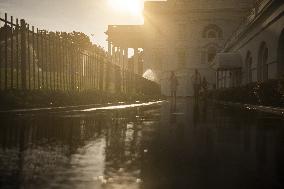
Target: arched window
248 67
262 66
211 53
281 55
212 31
212 34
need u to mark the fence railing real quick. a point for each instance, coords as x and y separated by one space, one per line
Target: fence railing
33 59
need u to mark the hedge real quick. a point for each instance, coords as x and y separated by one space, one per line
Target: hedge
268 93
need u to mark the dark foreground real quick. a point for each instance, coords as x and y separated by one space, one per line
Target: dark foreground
158 146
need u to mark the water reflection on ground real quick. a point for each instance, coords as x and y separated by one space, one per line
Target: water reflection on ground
158 146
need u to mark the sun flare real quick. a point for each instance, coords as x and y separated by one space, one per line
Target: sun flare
134 7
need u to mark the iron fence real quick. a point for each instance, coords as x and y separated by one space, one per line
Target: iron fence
33 59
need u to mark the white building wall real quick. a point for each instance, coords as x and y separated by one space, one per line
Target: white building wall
267 31
163 32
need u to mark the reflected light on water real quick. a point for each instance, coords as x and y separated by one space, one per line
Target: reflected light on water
147 147
122 106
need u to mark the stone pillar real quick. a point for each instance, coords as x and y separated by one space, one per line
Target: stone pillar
126 80
135 57
217 79
226 79
119 56
125 58
122 58
109 48
113 54
222 79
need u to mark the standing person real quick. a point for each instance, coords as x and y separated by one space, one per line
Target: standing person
173 86
204 95
204 86
196 82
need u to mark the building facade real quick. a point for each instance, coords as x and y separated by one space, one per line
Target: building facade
181 36
259 44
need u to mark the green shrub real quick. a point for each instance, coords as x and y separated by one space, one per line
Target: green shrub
268 93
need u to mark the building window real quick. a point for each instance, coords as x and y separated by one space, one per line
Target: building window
203 54
262 66
212 32
211 53
248 67
280 55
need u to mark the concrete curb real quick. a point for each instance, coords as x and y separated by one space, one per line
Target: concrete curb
266 109
48 109
79 108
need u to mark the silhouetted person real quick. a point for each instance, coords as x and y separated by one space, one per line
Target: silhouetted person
173 86
196 82
204 87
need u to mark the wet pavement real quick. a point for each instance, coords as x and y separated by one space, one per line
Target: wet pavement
143 147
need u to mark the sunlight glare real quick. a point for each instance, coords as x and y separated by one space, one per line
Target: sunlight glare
134 7
150 75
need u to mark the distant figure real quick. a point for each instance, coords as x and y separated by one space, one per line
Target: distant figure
204 96
196 82
204 87
173 85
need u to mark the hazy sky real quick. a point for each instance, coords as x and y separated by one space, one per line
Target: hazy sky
88 16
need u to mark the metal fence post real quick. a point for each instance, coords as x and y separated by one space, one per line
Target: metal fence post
72 62
101 65
6 51
23 55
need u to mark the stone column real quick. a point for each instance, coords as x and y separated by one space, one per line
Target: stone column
225 75
222 79
122 58
217 79
125 58
135 57
109 48
119 56
113 54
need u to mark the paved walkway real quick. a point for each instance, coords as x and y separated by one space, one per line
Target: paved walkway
151 146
